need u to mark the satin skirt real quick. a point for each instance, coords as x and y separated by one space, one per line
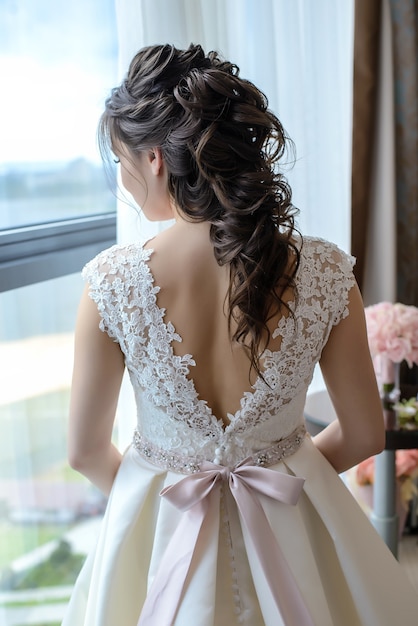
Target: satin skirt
345 573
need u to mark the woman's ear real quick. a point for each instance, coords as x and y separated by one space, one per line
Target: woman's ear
156 161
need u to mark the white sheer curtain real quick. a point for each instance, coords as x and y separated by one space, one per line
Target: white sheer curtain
299 52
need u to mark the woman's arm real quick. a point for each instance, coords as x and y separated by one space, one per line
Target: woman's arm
97 377
348 372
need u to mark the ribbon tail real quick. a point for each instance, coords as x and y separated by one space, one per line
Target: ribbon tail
279 577
164 596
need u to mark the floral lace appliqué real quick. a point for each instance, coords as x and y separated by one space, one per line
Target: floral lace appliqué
123 288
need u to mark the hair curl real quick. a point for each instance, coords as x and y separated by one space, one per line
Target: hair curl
221 145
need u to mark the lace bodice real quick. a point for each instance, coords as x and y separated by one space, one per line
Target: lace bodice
171 418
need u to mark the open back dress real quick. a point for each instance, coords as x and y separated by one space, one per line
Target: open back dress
214 525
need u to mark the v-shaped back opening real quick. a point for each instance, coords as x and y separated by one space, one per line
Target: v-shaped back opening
221 376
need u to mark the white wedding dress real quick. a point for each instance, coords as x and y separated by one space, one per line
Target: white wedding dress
276 540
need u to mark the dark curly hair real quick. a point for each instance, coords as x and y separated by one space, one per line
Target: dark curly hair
221 145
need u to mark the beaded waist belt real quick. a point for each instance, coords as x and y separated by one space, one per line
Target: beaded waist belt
166 459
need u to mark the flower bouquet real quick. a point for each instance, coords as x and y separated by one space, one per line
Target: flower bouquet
392 331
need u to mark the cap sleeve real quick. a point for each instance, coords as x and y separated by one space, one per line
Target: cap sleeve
108 288
325 284
341 265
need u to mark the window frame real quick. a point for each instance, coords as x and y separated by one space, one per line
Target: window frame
41 252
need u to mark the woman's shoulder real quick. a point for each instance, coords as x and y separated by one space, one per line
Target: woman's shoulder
318 247
324 253
325 273
325 269
117 260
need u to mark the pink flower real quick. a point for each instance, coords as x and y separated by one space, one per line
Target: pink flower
392 331
397 348
406 463
406 467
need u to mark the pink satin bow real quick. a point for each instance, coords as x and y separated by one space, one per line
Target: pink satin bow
194 495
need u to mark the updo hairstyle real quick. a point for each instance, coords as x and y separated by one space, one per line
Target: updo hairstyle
221 145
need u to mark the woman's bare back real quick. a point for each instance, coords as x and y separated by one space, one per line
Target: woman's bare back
193 291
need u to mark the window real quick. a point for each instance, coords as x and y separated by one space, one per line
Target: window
58 62
57 210
48 513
